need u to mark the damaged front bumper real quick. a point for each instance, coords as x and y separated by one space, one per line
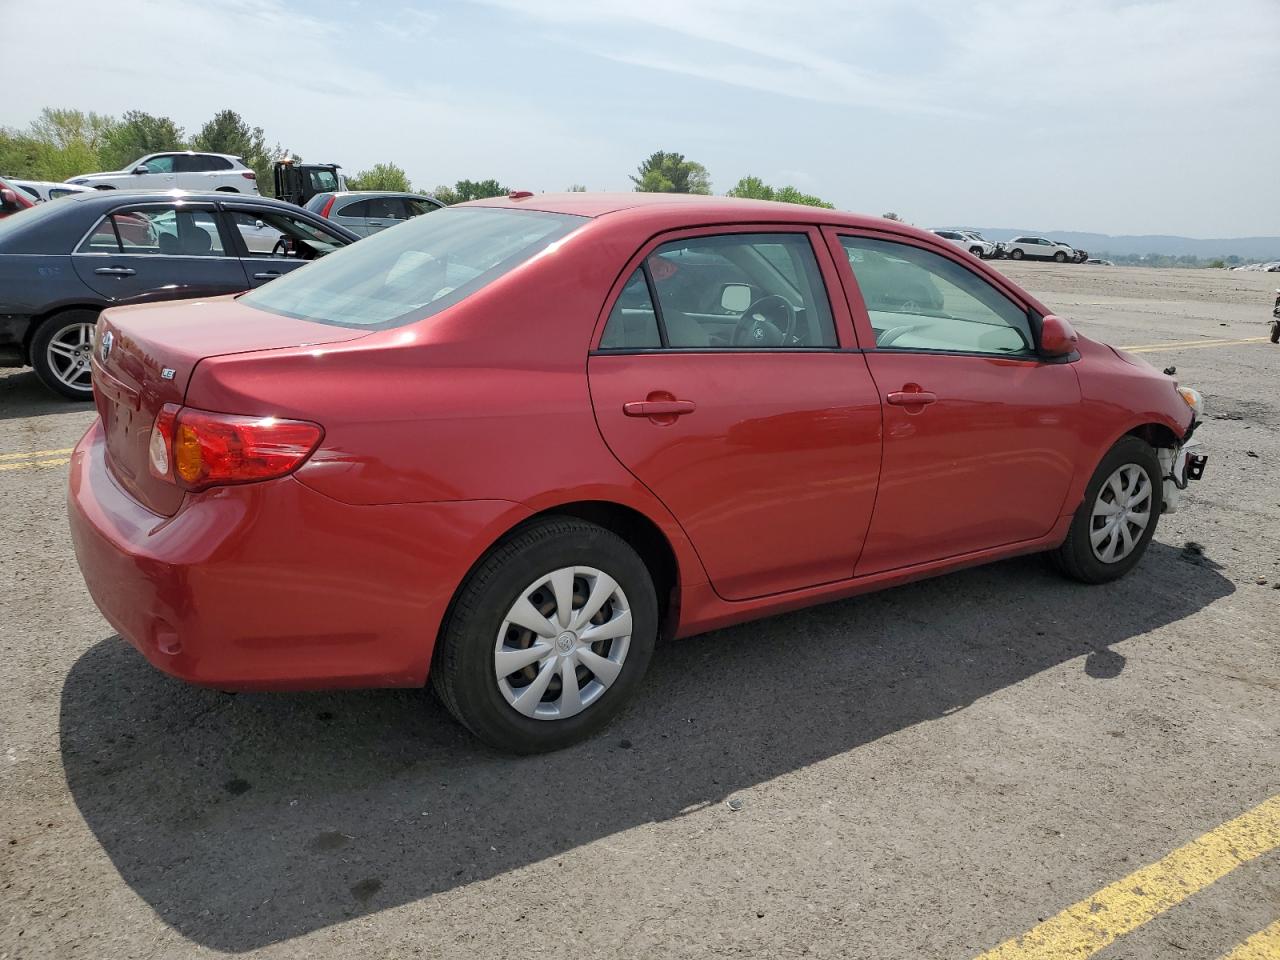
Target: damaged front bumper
1180 466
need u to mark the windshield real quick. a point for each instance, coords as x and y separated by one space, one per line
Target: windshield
414 270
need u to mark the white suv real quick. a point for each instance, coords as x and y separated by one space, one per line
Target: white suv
177 170
1038 248
980 248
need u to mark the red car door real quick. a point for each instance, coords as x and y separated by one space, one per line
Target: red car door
981 435
719 381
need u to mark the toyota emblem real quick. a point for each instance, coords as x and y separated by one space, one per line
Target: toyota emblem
107 340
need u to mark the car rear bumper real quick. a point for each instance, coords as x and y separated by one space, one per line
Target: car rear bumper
272 585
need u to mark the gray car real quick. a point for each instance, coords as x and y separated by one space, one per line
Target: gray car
367 211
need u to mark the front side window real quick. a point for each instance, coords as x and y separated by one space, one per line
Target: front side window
407 274
417 208
739 291
272 233
919 300
161 164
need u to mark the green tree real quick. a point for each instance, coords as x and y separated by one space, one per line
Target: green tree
792 195
56 145
228 133
136 135
479 190
753 188
892 216
465 190
576 188
381 176
669 172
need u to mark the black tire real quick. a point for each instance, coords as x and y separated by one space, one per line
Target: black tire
1015 254
40 360
976 251
1059 257
1275 331
1075 558
462 670
227 190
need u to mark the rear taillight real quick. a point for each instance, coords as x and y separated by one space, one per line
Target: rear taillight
328 205
196 449
248 175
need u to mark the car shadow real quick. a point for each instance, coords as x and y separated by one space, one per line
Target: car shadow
22 396
249 819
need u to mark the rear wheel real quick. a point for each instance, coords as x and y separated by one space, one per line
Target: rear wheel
548 638
227 190
1275 331
1118 516
60 352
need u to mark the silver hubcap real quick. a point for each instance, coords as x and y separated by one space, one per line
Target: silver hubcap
562 643
1121 513
68 354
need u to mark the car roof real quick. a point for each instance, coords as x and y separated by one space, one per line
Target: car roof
690 207
191 153
107 197
377 193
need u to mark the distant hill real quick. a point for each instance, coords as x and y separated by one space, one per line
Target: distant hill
1247 248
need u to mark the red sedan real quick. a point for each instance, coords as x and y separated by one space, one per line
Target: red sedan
509 445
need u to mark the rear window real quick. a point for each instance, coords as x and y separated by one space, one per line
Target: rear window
415 270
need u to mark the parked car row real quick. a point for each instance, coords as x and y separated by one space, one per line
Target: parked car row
64 262
1019 248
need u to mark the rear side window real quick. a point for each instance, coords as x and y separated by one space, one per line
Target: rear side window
403 275
741 291
156 230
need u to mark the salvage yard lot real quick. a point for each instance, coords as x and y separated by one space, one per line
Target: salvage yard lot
922 773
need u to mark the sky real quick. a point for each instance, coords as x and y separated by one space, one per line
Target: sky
1128 116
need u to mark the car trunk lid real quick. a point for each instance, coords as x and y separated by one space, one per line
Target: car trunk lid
144 358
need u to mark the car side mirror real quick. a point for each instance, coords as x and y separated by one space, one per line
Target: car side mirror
259 224
1057 337
735 297
140 169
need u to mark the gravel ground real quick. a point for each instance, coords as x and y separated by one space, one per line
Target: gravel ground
921 773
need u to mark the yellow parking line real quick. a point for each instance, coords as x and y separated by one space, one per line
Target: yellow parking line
35 463
33 454
1189 344
1263 945
1085 928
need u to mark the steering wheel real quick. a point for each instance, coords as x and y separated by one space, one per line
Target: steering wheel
281 249
757 329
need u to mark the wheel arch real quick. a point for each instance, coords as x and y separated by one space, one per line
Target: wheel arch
638 530
1156 434
41 319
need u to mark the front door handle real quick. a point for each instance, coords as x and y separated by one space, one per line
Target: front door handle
658 408
911 398
115 272
267 275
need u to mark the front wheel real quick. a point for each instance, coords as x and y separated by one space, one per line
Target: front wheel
61 349
1059 257
1118 516
548 638
1015 253
1275 331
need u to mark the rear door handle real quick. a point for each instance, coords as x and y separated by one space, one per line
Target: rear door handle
267 275
911 398
115 272
658 408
